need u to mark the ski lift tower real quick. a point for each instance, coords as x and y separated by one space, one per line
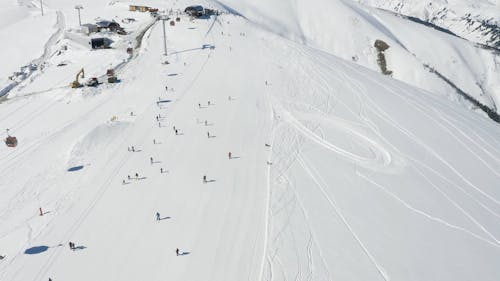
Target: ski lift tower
164 18
79 7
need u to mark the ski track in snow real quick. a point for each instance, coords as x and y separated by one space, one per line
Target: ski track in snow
320 184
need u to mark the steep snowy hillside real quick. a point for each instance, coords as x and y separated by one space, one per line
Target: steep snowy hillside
422 56
478 21
249 152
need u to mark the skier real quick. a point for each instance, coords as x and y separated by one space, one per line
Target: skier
206 123
161 170
199 105
204 179
177 251
175 129
208 103
123 182
133 149
166 88
128 148
157 216
128 176
159 125
176 132
71 245
154 141
157 118
151 159
136 176
229 155
208 134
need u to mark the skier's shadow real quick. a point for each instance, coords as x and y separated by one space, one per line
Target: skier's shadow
209 181
184 253
165 218
77 248
156 162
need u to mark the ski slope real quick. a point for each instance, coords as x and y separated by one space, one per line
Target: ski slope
337 172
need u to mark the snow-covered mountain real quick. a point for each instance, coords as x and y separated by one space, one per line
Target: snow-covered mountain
268 141
477 21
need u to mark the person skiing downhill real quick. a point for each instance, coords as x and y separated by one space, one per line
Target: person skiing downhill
151 160
229 155
177 251
157 216
204 179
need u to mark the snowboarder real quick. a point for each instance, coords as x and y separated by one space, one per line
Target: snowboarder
204 179
177 251
157 216
229 155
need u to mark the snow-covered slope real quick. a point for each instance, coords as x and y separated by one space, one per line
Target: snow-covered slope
336 172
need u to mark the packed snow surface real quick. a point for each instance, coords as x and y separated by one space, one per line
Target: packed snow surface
315 167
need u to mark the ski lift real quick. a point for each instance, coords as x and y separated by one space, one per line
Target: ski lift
11 141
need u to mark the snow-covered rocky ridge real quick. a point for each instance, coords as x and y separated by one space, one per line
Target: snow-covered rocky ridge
477 21
336 171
